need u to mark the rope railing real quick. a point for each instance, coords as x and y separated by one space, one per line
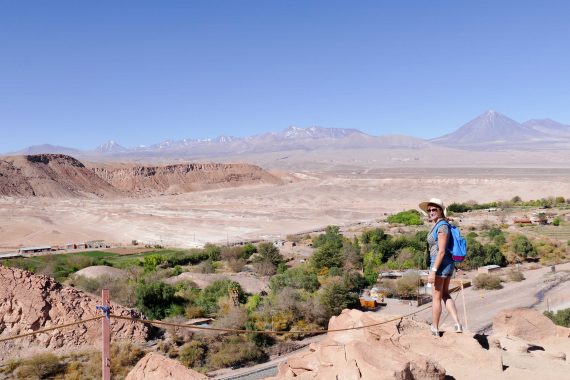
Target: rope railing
241 331
48 329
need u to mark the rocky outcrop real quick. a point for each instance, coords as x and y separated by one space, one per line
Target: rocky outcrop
156 367
50 175
60 176
183 178
30 302
397 348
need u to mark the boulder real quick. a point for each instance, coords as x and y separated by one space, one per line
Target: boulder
156 367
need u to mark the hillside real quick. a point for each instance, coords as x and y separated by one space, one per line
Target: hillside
182 178
61 176
50 175
40 302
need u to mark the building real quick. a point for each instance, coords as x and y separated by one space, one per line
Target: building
488 269
46 248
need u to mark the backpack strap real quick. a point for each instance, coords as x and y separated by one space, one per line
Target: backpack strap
439 224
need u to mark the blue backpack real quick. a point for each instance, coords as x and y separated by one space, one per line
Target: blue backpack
457 245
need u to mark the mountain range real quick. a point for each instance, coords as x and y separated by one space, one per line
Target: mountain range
489 131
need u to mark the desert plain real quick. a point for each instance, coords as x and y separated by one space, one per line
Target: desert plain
305 200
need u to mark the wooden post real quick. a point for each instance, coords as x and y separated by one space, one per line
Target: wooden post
106 341
464 307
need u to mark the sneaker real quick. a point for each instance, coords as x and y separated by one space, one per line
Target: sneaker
434 331
458 328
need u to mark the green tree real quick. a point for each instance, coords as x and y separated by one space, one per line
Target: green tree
328 255
336 296
268 252
332 236
214 252
154 298
523 247
209 296
151 262
297 278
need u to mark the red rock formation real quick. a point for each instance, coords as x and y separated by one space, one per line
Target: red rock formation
59 176
182 178
156 367
30 302
405 349
50 175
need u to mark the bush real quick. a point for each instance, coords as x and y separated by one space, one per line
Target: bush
523 247
336 296
192 354
561 318
297 278
556 221
515 275
213 251
487 282
125 355
154 299
407 285
332 236
235 351
206 267
236 265
408 218
40 366
209 297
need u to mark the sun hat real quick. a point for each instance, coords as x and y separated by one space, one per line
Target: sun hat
433 201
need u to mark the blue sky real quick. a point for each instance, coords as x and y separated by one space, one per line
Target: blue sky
77 73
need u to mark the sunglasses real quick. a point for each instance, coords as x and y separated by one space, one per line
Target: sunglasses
432 209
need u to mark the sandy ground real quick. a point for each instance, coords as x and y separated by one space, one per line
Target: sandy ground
269 212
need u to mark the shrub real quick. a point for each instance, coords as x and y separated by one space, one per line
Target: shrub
268 252
209 297
206 267
523 247
248 250
515 275
154 299
213 251
556 221
332 236
125 355
487 282
336 296
40 366
298 278
407 285
408 218
560 318
192 354
264 268
235 351
151 262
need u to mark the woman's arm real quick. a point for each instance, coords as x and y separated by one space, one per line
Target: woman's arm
441 236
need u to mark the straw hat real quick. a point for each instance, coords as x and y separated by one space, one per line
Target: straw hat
433 201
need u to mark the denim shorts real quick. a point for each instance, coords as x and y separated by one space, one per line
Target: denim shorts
446 268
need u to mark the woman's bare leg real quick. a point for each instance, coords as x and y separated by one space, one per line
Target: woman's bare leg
436 297
448 301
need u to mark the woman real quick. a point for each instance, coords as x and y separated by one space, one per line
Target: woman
442 265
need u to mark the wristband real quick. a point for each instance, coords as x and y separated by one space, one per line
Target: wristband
434 269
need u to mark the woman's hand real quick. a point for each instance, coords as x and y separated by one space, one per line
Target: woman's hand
431 277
